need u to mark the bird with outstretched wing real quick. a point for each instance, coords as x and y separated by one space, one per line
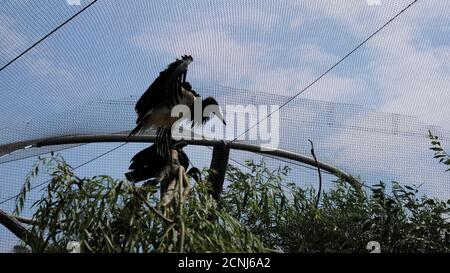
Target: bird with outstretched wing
154 108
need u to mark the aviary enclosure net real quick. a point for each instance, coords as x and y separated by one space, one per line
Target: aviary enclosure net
85 78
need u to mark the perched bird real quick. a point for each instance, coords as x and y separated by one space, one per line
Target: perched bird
169 89
149 165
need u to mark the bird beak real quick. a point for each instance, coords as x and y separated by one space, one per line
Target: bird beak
220 116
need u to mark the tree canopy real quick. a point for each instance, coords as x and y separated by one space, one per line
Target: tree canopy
258 211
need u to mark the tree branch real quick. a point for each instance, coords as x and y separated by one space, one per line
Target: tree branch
320 174
152 208
13 225
219 162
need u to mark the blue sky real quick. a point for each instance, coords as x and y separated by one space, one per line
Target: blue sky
276 47
114 50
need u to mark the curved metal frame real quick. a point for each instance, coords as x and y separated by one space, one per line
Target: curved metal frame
77 139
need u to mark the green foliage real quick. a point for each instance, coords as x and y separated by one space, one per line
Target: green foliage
286 218
258 211
439 152
105 215
258 200
42 162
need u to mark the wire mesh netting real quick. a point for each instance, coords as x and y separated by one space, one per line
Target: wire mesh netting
374 146
86 77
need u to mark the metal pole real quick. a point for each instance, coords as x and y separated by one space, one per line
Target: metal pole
219 163
201 142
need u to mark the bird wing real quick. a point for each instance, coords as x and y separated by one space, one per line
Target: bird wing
144 157
166 88
145 165
149 163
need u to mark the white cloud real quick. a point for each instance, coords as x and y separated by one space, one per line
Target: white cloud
412 73
356 15
11 40
217 56
405 73
409 72
248 16
296 22
52 71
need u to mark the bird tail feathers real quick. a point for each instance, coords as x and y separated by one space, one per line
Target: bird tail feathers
137 130
163 138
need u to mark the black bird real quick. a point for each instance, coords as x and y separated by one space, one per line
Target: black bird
169 89
149 165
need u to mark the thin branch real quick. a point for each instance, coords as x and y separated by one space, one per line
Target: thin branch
166 233
152 208
219 163
180 207
12 223
187 186
320 174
